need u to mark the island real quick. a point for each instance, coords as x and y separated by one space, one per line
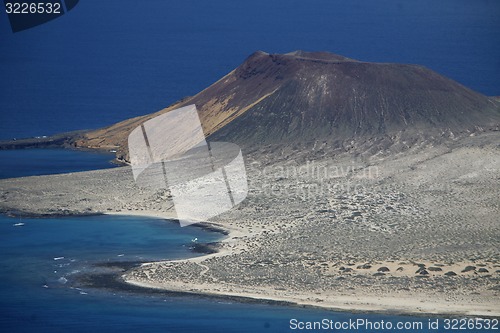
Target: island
371 187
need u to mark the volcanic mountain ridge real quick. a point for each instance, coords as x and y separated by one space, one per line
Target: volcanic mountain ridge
310 100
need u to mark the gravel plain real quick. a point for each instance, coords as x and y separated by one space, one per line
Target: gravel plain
416 231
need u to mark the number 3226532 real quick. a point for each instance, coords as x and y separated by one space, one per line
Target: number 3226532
33 8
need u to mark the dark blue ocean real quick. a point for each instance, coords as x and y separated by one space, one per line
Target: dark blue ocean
35 162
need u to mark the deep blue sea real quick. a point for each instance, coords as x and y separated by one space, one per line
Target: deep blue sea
35 162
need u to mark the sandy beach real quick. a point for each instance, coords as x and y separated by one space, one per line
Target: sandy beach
413 233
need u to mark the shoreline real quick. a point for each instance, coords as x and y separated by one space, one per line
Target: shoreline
342 306
31 215
114 281
343 303
387 305
209 226
403 244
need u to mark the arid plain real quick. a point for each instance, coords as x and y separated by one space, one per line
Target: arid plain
414 232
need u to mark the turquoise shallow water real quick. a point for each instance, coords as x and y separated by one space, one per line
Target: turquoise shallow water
40 259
